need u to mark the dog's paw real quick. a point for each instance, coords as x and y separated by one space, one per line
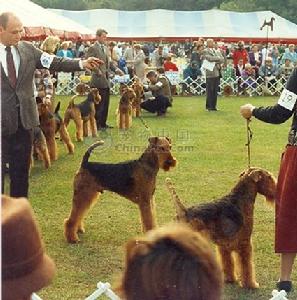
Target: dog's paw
250 285
81 230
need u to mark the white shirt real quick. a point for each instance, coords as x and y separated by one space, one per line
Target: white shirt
256 55
15 55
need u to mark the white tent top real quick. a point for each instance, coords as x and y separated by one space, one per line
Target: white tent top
36 18
164 24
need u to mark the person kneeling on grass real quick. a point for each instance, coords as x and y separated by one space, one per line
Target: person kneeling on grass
172 263
160 88
286 198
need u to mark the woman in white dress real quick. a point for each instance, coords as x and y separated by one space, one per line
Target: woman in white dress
138 62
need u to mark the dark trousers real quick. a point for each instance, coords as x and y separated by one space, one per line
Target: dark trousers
16 151
159 104
212 88
102 108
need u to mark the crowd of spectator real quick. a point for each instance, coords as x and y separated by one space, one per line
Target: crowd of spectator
249 65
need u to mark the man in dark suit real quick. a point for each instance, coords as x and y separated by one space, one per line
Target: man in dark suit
19 113
100 78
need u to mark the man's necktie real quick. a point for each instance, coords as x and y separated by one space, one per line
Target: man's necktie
10 67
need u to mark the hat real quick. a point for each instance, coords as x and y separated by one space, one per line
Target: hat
25 266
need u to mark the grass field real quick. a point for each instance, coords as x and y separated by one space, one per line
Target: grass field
211 153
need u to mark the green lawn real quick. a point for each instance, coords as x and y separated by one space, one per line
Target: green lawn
211 153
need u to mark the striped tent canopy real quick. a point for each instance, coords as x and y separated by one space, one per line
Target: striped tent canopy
39 22
161 24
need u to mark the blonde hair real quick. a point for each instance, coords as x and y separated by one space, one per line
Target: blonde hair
50 44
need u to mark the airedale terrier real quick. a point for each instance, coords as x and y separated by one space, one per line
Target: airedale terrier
228 222
83 113
51 123
134 180
125 108
139 92
39 148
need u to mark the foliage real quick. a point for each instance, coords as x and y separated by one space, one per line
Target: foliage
211 153
285 8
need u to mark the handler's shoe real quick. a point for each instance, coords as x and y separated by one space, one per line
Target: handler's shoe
284 285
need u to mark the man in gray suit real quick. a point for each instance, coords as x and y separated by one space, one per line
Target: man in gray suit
212 76
100 78
19 113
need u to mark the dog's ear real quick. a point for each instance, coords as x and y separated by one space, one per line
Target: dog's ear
153 140
242 174
255 175
168 139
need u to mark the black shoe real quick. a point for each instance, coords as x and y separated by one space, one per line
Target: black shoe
105 127
284 285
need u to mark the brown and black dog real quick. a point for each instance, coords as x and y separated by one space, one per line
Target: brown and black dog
228 222
51 123
125 108
83 114
134 180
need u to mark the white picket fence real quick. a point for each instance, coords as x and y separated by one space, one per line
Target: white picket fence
102 289
236 86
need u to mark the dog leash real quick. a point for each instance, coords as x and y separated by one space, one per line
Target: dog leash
249 139
146 126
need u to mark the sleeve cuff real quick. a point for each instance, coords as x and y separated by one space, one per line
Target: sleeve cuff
81 65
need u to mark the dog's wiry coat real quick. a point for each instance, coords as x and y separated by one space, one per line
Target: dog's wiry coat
134 180
228 222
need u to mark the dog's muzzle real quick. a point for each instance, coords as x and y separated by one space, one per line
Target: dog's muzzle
169 163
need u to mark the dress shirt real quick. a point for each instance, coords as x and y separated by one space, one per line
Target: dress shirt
16 58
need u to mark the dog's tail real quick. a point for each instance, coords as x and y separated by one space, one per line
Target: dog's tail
179 207
57 107
88 153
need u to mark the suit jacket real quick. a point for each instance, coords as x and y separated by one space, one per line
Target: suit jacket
21 98
100 76
213 55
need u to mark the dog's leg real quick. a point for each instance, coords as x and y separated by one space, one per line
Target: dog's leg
138 110
64 134
52 147
93 126
122 126
147 212
84 196
227 263
126 121
44 154
245 265
79 129
85 128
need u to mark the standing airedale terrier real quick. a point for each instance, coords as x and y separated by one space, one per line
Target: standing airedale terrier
134 180
228 222
139 92
51 123
125 108
83 114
